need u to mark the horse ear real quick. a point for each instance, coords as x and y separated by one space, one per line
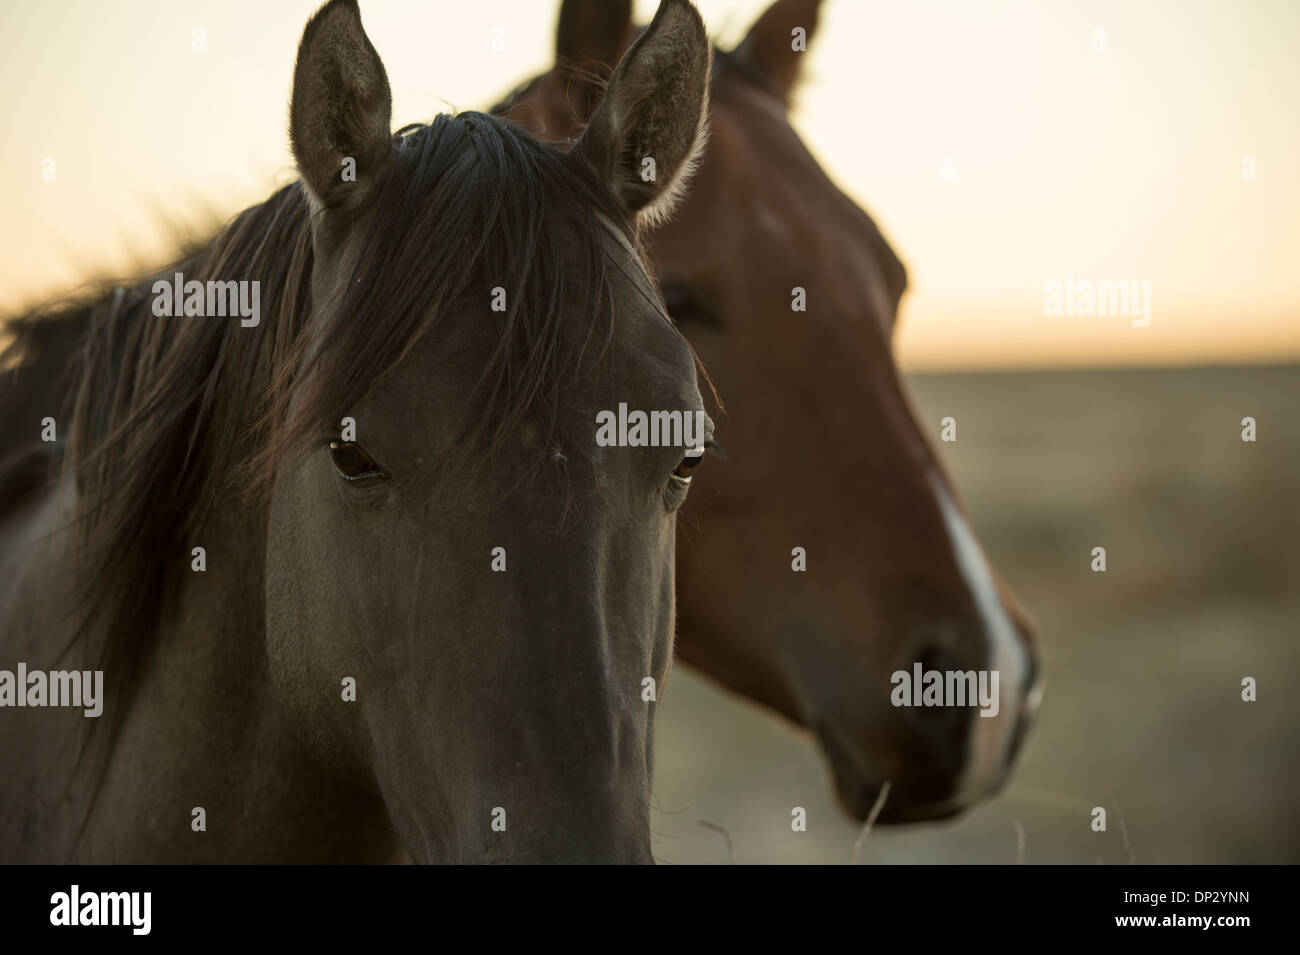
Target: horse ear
646 133
590 37
341 111
774 47
593 31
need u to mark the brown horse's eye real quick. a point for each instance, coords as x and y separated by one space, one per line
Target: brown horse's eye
688 464
686 305
352 462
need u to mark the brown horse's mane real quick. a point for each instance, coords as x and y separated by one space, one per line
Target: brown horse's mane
166 417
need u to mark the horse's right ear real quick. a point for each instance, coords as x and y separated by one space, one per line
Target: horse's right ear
774 46
341 113
647 131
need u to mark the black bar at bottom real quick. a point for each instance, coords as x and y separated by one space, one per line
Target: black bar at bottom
305 904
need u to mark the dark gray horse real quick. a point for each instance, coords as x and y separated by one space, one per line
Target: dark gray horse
357 573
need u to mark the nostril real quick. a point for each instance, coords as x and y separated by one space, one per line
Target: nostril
932 658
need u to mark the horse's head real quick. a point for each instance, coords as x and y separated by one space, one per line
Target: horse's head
825 451
461 556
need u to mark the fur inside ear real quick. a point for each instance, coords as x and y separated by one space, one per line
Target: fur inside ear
662 207
646 135
341 112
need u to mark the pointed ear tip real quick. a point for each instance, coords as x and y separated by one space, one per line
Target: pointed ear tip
682 17
328 13
684 9
335 9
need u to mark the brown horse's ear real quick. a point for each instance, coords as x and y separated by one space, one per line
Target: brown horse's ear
590 38
340 115
645 135
593 31
775 43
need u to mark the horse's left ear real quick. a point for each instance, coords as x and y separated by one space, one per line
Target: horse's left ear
590 38
775 44
644 136
592 31
341 112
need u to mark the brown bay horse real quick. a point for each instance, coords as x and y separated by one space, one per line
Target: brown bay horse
824 450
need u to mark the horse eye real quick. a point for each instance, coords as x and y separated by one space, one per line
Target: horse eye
686 306
688 464
352 462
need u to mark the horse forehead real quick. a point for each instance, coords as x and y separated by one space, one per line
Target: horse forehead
544 109
773 182
769 222
643 333
790 209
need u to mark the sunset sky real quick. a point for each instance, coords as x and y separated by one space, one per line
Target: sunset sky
1120 165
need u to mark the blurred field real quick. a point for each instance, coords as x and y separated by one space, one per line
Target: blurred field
1142 711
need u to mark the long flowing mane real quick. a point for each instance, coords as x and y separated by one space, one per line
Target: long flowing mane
166 417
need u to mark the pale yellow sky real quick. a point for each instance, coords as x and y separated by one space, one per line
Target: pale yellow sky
999 151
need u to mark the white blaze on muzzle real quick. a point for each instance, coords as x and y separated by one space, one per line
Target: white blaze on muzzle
992 736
